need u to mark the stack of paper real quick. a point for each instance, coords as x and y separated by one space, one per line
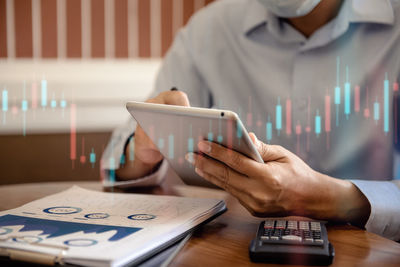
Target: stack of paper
89 228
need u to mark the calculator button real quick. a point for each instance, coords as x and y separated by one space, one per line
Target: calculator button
319 241
316 235
309 240
280 225
315 226
307 234
292 238
277 232
292 225
263 237
304 225
274 237
296 232
269 224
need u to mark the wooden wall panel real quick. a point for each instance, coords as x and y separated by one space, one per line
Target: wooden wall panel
166 25
188 9
98 28
23 28
49 28
144 28
161 32
121 28
3 29
74 29
41 158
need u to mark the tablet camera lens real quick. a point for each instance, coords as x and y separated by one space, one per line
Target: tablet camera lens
222 114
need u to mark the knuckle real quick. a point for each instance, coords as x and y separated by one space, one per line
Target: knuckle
281 150
199 162
226 175
236 160
180 94
275 181
265 149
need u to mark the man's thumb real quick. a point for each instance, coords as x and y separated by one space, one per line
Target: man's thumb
267 152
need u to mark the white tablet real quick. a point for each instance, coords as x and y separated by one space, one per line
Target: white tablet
176 130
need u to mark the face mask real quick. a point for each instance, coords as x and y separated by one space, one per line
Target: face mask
290 8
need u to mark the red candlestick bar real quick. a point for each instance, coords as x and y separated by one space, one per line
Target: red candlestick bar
83 157
327 113
327 119
357 99
249 118
73 134
230 134
366 110
298 133
288 117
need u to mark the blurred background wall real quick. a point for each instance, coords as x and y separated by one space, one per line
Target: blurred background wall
67 67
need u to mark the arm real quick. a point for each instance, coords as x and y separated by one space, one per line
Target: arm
284 185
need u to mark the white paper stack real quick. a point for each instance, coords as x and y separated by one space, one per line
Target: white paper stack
90 228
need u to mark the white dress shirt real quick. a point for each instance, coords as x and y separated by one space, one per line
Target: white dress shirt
236 55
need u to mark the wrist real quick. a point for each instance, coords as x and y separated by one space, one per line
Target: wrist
354 207
344 202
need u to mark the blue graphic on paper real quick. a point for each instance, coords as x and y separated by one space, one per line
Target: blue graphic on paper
97 215
27 239
59 228
62 210
4 230
141 217
80 242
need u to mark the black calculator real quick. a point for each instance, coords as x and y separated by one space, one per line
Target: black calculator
292 242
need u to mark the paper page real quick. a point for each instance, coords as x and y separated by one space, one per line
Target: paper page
100 226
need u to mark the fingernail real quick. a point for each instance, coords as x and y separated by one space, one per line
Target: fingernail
190 157
199 172
205 147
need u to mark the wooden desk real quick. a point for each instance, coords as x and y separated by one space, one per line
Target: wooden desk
224 241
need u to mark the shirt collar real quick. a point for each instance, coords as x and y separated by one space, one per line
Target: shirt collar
363 11
352 11
373 11
256 15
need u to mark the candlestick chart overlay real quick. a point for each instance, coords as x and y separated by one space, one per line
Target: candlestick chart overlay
343 103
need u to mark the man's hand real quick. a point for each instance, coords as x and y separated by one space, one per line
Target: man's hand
283 185
147 155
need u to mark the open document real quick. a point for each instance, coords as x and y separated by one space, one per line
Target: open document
90 228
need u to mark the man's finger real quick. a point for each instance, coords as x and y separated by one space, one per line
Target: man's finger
244 196
227 176
239 194
177 98
233 159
